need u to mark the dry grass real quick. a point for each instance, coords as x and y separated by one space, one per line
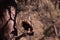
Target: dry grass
41 19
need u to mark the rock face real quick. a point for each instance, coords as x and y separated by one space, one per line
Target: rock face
41 15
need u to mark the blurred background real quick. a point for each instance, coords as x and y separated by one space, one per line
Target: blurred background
42 15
